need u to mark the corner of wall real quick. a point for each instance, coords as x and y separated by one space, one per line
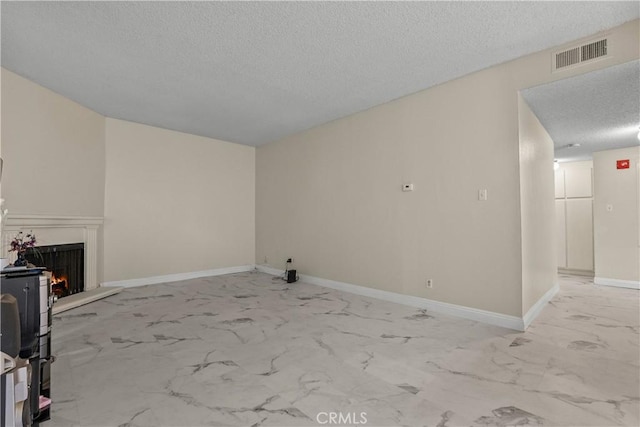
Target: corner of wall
537 211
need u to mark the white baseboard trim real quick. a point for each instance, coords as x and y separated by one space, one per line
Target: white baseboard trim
569 271
618 283
537 308
269 270
131 283
497 319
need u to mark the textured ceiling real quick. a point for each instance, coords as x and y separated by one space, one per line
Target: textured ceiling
254 72
598 110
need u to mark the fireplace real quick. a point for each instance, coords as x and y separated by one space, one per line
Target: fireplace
58 229
65 263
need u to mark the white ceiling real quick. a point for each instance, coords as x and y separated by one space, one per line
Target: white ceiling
598 110
254 72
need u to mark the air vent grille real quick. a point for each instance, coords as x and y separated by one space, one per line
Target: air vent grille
579 54
594 50
568 57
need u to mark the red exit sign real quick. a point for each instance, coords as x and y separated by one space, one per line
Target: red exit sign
622 164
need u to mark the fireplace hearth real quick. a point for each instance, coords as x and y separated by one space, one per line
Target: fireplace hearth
65 263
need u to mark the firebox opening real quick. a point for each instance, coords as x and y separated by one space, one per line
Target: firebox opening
59 285
65 263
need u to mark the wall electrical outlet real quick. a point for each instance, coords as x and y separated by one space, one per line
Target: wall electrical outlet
429 283
289 260
482 194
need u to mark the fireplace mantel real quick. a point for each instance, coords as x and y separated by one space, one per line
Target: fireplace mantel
56 229
43 221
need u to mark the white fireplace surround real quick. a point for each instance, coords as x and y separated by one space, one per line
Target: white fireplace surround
58 230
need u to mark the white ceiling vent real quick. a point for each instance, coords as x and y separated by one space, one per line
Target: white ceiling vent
579 54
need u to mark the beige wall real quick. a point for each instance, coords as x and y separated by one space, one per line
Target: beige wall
616 230
330 197
54 154
53 151
175 202
537 206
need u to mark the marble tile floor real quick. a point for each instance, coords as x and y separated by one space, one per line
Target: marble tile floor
248 349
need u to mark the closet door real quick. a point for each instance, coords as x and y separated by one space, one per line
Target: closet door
561 233
578 182
579 222
559 184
